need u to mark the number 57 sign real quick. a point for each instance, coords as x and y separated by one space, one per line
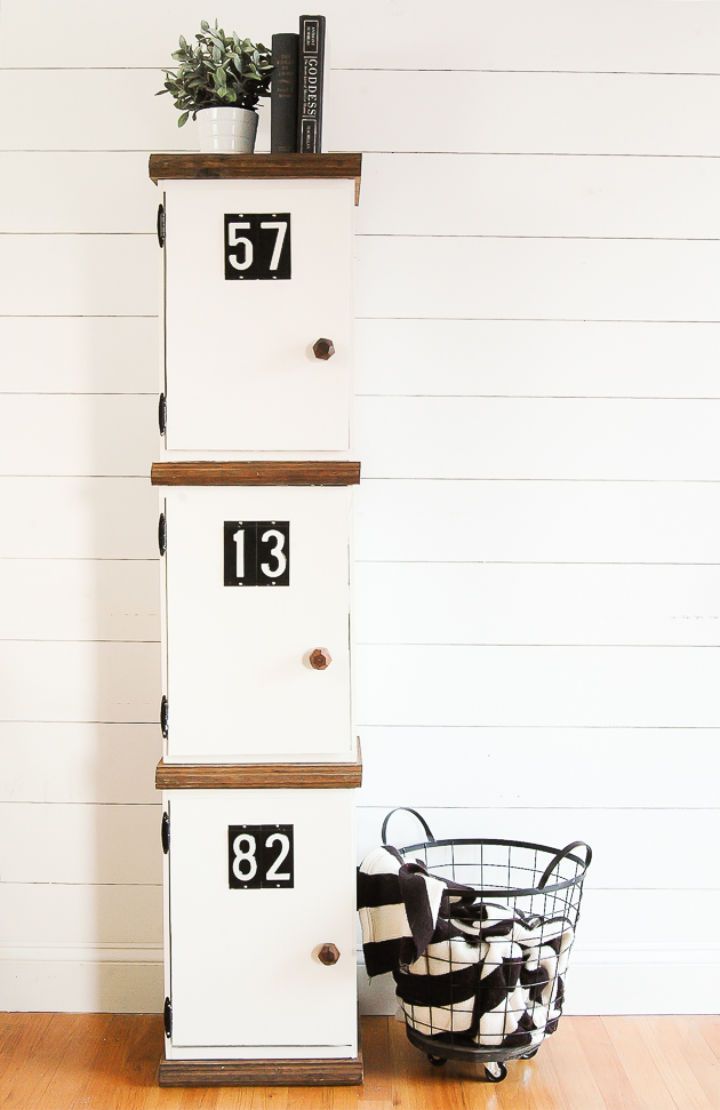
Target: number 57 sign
257 246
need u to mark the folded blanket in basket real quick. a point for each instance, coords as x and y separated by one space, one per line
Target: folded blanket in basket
398 904
485 971
497 981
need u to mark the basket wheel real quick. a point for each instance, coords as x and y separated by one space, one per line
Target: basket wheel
495 1073
529 1055
437 1061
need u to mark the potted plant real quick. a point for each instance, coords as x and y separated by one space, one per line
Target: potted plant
219 82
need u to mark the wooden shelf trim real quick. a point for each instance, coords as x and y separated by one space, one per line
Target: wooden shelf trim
258 776
261 1073
255 473
203 167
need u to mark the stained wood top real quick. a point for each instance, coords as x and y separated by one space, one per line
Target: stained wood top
255 473
258 776
203 167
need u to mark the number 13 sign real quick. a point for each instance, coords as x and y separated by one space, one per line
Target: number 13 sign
257 246
256 553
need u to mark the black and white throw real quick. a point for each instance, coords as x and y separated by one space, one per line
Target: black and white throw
484 973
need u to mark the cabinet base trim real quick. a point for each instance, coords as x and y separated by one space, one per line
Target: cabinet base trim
341 1072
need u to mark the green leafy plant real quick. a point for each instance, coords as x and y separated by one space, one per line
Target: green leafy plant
218 71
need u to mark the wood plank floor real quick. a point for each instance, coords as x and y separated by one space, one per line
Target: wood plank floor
108 1062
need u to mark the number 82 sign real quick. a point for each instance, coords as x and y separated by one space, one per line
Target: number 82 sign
260 856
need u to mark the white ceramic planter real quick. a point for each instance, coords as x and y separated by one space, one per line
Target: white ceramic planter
227 130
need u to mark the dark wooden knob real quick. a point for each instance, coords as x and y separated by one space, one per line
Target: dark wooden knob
323 348
319 659
329 954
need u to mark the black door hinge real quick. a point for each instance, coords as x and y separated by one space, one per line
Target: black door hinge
162 413
164 716
161 224
162 533
167 1017
165 833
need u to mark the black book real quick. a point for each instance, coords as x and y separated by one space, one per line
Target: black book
284 94
310 83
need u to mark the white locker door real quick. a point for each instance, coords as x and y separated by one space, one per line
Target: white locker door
244 967
241 374
240 684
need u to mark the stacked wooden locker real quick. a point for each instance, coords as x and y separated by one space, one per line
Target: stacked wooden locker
256 478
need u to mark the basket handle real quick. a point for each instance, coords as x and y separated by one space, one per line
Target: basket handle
405 809
561 855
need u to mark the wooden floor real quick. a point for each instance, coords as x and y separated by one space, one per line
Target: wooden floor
108 1062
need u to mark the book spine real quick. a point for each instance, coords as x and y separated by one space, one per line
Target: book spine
284 94
310 84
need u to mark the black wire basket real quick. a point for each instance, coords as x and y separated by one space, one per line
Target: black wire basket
491 985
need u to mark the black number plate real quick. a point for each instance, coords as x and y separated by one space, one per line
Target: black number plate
256 552
261 856
257 246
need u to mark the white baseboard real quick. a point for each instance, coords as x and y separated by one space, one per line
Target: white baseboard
608 980
92 979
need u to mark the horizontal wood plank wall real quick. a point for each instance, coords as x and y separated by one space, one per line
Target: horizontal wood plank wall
537 337
482 34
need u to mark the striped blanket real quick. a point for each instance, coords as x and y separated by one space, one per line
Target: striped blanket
483 973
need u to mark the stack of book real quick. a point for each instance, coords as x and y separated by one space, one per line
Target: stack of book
296 96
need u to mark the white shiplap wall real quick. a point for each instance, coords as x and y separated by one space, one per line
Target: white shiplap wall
538 400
